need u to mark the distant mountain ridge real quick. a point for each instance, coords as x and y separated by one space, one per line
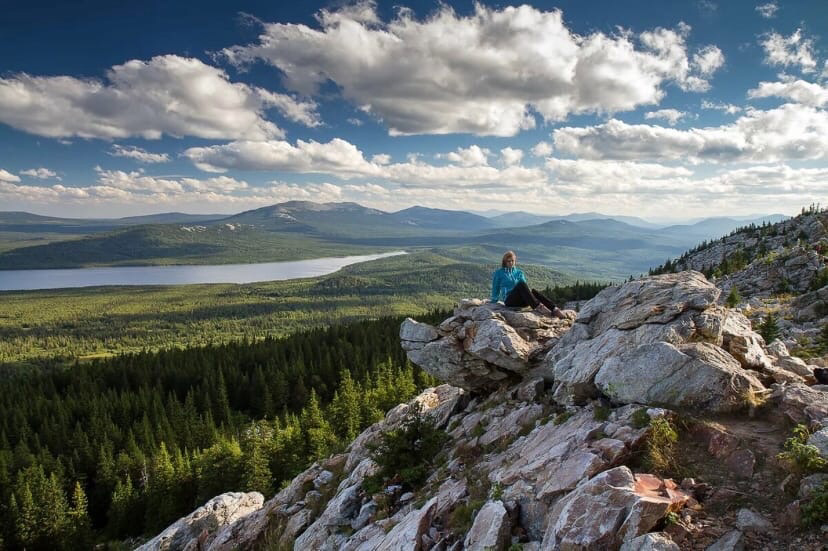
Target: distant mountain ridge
596 247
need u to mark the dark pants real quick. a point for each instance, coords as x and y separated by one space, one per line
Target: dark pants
522 295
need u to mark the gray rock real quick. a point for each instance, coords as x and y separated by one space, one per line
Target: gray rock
407 535
654 541
324 478
751 520
603 513
491 528
697 375
366 513
732 541
414 331
819 440
800 403
811 484
217 513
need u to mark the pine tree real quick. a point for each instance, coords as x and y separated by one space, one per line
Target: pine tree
81 531
257 476
733 298
769 328
318 435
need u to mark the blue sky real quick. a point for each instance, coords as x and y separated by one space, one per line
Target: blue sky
661 110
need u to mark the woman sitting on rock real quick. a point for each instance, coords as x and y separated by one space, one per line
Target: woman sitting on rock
509 286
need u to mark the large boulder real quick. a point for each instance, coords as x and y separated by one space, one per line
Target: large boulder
198 529
659 340
613 507
482 345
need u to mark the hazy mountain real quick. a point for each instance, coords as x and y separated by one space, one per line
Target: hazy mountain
429 218
712 228
521 218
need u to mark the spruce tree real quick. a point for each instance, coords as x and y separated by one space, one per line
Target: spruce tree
769 328
733 298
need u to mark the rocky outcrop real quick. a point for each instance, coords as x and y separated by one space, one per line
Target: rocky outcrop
198 529
482 344
546 423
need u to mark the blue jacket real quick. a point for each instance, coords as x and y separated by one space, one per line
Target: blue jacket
504 280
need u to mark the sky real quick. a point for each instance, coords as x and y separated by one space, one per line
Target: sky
662 110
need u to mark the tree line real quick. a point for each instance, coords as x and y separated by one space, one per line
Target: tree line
122 447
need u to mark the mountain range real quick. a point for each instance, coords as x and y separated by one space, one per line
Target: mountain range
586 244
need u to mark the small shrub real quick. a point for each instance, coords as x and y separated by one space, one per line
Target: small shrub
408 452
461 518
640 418
478 430
816 510
733 298
661 442
496 491
820 279
562 418
601 413
798 455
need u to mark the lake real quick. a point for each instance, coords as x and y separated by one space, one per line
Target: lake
28 280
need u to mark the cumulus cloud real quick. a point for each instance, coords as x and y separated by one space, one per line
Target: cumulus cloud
708 60
469 156
541 149
617 176
6 176
140 155
451 73
728 108
672 116
787 51
789 132
167 95
768 10
800 91
510 156
139 181
41 173
339 158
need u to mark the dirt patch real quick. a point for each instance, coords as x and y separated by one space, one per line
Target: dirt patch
732 461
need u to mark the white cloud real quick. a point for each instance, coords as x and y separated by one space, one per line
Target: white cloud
789 132
140 155
510 156
339 158
793 50
41 174
355 121
542 149
138 181
6 176
451 73
616 176
800 91
167 95
470 156
708 60
303 112
768 10
672 116
728 108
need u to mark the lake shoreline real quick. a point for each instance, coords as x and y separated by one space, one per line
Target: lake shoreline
178 274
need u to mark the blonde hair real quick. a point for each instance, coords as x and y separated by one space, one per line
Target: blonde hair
508 255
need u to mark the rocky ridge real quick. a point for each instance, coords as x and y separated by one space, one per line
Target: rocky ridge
551 424
547 421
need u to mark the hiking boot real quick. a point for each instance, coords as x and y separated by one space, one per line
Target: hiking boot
542 310
558 313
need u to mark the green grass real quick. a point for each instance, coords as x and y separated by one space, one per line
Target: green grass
95 322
